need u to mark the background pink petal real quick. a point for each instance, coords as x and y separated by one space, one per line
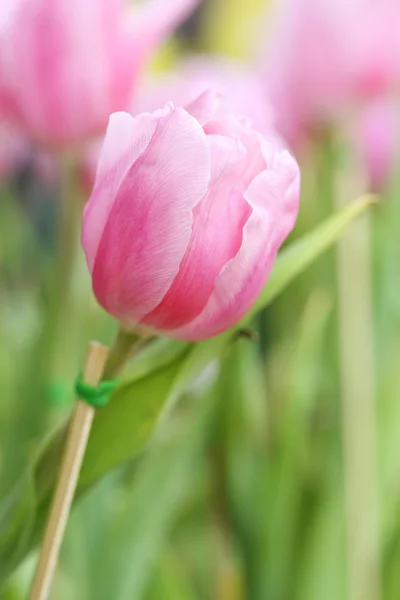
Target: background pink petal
14 150
305 64
241 88
67 64
57 61
376 135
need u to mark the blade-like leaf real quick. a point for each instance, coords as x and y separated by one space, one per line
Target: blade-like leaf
127 422
179 455
17 517
297 257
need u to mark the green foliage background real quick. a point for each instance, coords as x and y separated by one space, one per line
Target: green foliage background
246 467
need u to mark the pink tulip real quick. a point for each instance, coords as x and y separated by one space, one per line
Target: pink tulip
187 214
65 65
373 61
242 89
325 56
303 65
377 136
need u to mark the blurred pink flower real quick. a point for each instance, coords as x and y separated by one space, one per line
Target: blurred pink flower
65 65
242 93
327 55
242 89
14 150
377 136
187 214
374 52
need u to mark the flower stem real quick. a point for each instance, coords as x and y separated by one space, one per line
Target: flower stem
358 400
61 313
126 345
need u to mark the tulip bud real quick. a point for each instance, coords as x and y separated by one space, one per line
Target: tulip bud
65 65
187 214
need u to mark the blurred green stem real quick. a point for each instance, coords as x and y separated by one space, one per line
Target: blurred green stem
226 571
325 276
228 579
359 418
326 187
61 313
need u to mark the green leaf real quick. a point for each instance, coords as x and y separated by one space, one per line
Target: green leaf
153 508
17 516
297 257
123 428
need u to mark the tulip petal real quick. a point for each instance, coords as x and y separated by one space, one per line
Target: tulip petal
204 107
216 238
149 227
273 197
125 140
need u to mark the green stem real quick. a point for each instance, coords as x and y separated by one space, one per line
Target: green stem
326 269
61 310
358 399
326 184
125 345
